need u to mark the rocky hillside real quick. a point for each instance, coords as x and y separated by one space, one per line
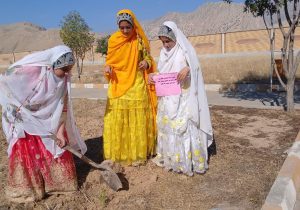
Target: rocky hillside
21 37
207 19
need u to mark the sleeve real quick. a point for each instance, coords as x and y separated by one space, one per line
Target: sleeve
184 63
144 54
63 116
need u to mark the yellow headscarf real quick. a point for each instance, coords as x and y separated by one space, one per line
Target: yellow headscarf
122 56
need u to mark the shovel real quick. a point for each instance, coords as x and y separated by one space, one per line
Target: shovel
109 176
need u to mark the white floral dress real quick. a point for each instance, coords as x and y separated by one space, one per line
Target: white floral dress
179 144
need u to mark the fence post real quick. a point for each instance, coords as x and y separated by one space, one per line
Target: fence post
223 43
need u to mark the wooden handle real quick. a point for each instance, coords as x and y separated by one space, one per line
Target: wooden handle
85 159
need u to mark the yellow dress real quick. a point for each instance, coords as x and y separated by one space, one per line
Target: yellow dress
129 133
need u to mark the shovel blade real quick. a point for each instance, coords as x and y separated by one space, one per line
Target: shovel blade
111 179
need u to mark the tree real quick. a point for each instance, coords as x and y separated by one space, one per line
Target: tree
266 9
102 45
76 34
290 62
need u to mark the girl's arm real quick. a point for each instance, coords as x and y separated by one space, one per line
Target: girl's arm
145 57
62 141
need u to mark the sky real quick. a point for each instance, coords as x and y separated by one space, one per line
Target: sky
98 14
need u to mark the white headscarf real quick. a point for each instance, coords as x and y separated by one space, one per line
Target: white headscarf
32 99
197 100
43 58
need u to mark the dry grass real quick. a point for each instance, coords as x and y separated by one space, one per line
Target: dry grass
250 149
2 69
234 69
217 69
91 74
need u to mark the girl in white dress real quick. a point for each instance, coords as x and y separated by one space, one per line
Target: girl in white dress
183 121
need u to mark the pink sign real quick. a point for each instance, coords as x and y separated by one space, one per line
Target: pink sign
166 84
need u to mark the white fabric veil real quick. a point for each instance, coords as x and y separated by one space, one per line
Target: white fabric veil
197 101
32 99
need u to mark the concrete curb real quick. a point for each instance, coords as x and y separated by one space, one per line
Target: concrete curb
283 194
208 87
89 85
254 87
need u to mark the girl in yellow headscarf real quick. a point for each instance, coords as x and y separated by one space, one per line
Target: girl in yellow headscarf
129 122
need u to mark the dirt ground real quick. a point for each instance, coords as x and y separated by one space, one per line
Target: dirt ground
249 151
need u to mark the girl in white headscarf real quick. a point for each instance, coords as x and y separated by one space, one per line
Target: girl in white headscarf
183 121
35 100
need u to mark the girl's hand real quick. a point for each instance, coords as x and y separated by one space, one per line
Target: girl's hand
61 139
107 70
150 79
183 74
143 65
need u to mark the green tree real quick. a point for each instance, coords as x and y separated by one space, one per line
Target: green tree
266 9
102 45
76 34
290 61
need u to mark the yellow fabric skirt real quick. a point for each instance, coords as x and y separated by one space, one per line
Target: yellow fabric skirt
129 133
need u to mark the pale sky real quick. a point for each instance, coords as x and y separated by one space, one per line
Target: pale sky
98 14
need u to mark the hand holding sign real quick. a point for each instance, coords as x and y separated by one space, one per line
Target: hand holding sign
167 84
183 74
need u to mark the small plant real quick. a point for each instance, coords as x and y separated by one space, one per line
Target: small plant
103 199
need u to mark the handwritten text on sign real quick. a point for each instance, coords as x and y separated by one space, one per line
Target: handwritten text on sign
167 84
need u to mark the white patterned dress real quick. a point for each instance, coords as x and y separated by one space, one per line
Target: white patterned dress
179 144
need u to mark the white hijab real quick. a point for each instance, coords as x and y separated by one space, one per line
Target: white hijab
32 99
197 100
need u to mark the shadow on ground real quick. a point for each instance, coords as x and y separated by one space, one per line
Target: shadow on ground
246 90
277 98
94 152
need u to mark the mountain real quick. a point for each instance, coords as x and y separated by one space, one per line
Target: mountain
210 18
21 37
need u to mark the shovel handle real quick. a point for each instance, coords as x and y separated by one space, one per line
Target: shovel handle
82 157
85 159
109 176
